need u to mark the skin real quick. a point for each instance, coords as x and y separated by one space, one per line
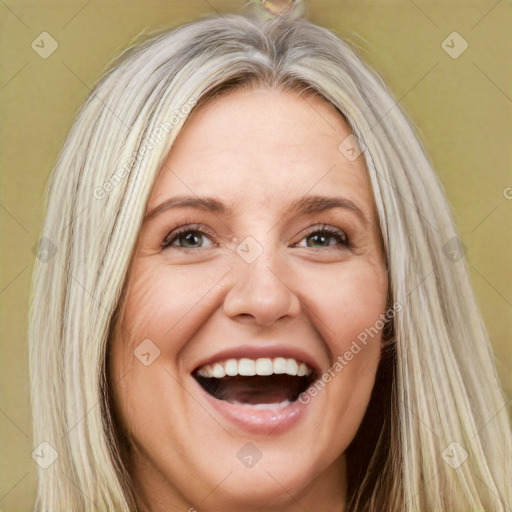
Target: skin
255 150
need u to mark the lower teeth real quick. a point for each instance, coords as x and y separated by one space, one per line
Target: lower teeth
284 403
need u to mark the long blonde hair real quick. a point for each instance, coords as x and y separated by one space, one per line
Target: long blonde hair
437 397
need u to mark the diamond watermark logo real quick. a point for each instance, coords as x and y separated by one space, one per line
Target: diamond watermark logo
44 250
44 45
44 455
351 147
454 249
249 249
454 455
454 45
249 455
146 352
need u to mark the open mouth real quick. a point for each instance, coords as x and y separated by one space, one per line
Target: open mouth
258 383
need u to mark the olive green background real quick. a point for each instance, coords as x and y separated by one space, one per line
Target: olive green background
461 106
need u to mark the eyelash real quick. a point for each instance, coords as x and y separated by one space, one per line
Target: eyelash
189 228
323 229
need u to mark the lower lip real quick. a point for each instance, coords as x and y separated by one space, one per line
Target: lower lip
258 421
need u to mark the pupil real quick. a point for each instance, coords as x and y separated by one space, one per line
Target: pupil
189 238
317 237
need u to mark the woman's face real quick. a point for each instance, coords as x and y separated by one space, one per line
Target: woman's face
259 254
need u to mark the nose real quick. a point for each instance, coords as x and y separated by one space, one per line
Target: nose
261 294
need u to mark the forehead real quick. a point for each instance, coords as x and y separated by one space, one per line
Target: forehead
259 146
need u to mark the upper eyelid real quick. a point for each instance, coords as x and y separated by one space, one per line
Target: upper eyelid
186 228
203 229
333 231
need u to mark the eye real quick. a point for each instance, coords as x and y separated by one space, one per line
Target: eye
199 237
188 237
325 237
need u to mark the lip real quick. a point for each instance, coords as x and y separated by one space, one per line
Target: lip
257 421
261 351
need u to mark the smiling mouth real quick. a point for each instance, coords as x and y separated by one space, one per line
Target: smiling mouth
258 383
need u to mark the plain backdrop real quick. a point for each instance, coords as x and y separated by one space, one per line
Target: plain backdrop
461 107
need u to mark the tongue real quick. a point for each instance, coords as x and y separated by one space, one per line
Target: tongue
257 390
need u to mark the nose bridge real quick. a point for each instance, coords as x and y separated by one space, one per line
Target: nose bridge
259 290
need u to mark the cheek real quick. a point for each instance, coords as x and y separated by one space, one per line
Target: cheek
162 300
348 300
350 319
165 306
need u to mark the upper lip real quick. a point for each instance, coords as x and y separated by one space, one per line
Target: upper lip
256 351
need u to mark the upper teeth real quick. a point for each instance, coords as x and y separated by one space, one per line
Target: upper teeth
249 367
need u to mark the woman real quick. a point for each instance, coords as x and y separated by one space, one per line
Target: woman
257 295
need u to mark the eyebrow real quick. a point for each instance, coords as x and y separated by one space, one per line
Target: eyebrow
308 204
